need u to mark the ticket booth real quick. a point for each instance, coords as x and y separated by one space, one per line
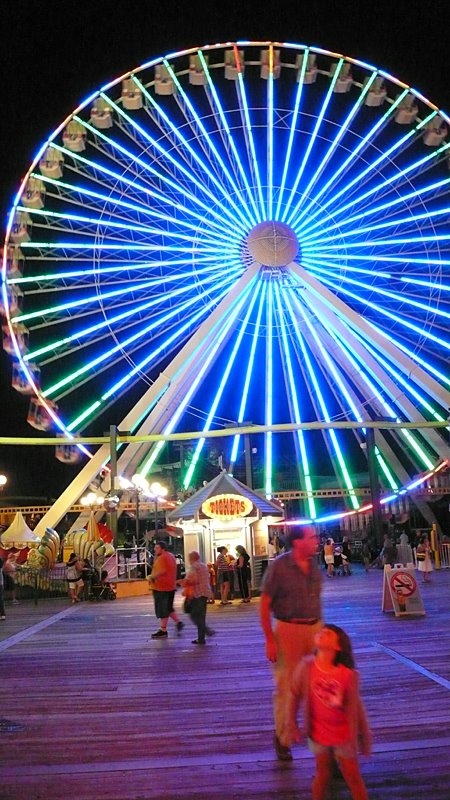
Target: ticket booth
227 513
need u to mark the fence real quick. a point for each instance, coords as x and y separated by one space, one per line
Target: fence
40 584
444 555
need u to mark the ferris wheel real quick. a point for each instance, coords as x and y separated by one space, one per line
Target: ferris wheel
241 232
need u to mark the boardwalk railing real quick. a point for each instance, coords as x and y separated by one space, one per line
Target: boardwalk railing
41 584
444 555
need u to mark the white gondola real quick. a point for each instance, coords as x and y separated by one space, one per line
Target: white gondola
38 415
310 75
376 95
197 75
34 194
231 69
344 81
435 132
74 136
163 82
20 382
51 163
14 259
265 64
67 453
21 333
131 95
407 110
101 116
19 229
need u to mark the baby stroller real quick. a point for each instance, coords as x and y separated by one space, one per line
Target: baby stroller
101 588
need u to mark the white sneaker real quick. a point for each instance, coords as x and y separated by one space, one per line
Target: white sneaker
3 617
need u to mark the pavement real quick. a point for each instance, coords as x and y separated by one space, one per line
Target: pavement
27 614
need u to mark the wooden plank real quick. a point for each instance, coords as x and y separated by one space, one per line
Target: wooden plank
108 713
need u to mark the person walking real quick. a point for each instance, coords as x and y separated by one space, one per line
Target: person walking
334 718
243 572
291 592
163 582
198 583
2 584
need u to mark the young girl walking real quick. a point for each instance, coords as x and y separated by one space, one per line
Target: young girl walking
335 722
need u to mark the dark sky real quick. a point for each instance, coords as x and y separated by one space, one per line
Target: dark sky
54 53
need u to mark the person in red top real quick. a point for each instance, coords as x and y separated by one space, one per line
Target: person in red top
334 717
163 582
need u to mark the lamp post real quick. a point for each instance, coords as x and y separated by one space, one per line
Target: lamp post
3 482
158 492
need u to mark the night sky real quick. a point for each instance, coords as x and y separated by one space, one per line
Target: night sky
54 53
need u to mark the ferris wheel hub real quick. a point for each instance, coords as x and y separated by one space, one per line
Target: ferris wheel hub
272 244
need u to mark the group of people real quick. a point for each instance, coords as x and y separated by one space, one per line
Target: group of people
337 558
7 582
198 587
83 578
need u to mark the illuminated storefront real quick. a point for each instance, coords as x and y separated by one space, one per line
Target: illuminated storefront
227 513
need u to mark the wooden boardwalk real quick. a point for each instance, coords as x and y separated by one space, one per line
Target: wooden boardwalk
101 712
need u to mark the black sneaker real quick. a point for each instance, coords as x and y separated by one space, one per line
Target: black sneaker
180 626
283 752
197 641
159 634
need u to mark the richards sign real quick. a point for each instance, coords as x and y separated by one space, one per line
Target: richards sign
227 506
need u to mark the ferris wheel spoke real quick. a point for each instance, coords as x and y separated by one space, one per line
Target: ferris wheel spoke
119 384
319 398
305 472
176 166
292 131
214 348
248 131
222 385
239 168
122 317
286 217
383 186
248 373
353 347
342 130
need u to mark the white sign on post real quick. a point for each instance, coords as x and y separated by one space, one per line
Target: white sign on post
401 592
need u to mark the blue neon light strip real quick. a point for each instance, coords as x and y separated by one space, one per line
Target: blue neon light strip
209 420
331 433
295 112
312 139
119 385
358 179
232 312
231 142
154 324
248 373
269 395
106 323
342 130
296 407
243 97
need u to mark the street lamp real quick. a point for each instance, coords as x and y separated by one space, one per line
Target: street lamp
3 482
158 492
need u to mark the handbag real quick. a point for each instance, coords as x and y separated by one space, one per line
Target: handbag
187 605
420 556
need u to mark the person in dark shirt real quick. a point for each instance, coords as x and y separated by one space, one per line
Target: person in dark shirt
291 593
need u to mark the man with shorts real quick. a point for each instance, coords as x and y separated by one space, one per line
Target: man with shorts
163 581
291 592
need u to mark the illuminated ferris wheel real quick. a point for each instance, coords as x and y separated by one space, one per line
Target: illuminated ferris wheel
240 232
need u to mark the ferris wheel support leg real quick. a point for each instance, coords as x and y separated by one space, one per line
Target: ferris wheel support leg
70 495
163 397
407 365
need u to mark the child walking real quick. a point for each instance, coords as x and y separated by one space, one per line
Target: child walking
334 718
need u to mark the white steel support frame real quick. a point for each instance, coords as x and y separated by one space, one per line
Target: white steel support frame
162 398
383 377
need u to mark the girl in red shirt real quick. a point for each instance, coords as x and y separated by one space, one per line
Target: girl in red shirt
335 722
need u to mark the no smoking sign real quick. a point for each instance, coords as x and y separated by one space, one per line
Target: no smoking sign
403 583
